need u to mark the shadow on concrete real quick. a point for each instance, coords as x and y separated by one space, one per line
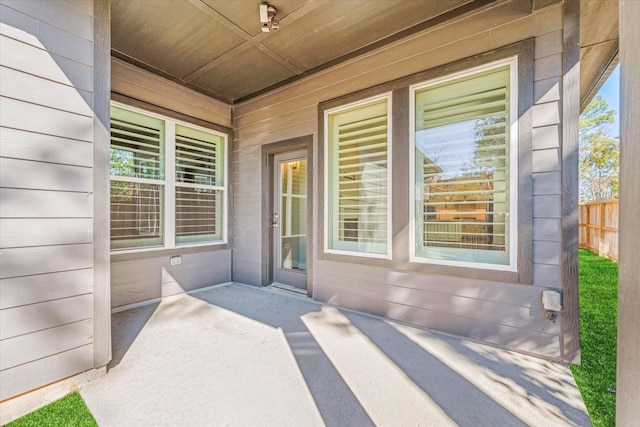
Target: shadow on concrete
125 327
235 354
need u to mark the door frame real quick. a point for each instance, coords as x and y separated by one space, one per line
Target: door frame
282 275
269 152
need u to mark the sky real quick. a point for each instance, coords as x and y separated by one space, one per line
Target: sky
610 90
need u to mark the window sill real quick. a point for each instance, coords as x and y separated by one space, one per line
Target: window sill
146 253
469 271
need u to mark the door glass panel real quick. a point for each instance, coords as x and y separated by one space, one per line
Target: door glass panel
293 214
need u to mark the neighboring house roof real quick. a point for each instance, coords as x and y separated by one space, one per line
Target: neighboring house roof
218 48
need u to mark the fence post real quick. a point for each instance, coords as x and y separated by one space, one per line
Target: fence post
601 241
588 226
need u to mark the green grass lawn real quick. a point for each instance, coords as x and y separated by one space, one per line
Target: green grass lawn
70 411
598 337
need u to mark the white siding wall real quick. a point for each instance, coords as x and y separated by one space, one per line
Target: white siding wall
46 187
509 315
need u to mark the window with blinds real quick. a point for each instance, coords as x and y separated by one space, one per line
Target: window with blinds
137 179
358 178
145 191
462 168
199 185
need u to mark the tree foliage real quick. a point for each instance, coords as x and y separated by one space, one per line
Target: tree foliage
599 153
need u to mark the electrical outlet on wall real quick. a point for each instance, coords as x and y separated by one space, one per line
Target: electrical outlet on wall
552 300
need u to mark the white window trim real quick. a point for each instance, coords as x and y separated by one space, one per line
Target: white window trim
388 97
513 167
169 185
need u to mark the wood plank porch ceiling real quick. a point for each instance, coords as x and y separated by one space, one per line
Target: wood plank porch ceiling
217 47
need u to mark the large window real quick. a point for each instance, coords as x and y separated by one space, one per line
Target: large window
167 182
358 178
464 147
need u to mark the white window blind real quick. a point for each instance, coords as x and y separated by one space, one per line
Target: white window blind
153 208
358 144
462 168
137 179
199 185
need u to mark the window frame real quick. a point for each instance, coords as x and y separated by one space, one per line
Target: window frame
530 202
513 230
327 235
169 183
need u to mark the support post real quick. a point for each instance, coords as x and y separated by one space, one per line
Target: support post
628 365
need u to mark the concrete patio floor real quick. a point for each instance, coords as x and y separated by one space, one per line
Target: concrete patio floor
243 356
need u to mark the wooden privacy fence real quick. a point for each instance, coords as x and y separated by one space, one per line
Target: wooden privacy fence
599 228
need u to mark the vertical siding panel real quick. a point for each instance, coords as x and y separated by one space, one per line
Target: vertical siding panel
628 377
101 184
570 157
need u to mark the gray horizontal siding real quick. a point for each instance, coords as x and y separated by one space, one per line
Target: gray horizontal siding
547 90
58 14
18 291
25 232
547 229
547 275
27 29
20 144
546 137
45 315
548 44
35 118
495 322
546 206
141 85
46 187
547 161
45 259
18 203
546 114
37 345
38 62
154 277
45 371
505 314
546 252
25 87
546 183
45 176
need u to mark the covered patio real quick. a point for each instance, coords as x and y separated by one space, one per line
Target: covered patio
200 348
239 355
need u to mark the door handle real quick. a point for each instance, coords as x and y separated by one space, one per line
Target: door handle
274 220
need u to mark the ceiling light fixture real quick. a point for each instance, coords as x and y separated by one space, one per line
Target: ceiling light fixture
267 18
